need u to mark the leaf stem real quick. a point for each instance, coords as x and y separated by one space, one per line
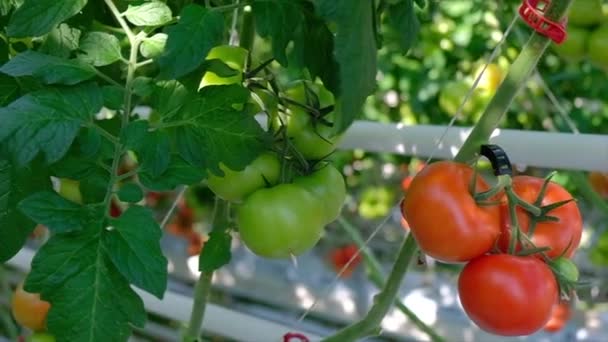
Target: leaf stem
370 324
376 275
227 8
121 21
109 136
107 78
247 33
144 63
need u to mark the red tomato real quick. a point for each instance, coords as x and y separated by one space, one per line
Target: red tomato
444 218
559 317
508 295
556 235
340 256
599 182
115 210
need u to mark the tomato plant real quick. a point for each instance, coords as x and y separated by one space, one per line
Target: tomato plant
443 216
523 286
277 222
232 56
561 235
70 189
29 310
236 185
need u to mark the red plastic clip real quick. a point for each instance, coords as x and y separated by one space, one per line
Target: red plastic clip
295 336
532 12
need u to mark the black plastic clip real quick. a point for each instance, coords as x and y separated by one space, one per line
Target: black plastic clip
498 157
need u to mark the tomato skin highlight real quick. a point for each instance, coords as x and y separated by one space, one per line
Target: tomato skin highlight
508 295
29 310
444 218
280 221
557 235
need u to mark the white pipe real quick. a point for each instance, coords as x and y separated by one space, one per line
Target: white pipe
218 320
588 152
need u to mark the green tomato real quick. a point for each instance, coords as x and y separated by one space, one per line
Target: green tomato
280 221
451 97
327 185
585 13
375 202
233 56
596 46
40 337
234 186
313 141
573 49
70 190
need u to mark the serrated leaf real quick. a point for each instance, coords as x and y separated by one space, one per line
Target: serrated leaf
355 51
178 173
152 147
55 212
16 184
49 69
130 193
278 20
90 299
152 13
48 120
113 96
208 130
134 246
189 42
154 46
9 89
89 141
94 187
61 41
37 17
402 19
216 252
99 49
168 97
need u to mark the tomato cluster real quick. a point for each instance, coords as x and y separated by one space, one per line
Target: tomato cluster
587 34
286 196
510 283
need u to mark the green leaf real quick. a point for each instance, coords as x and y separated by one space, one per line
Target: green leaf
37 17
9 89
219 68
152 147
178 173
168 97
216 252
90 299
134 246
402 19
154 13
94 187
7 5
154 46
143 86
61 41
355 51
99 49
16 184
48 120
278 20
208 130
89 141
189 42
74 167
113 96
130 193
49 69
55 212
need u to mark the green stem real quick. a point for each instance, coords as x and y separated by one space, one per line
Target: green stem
121 21
383 301
109 136
376 275
219 221
515 232
247 33
107 78
513 82
227 8
126 175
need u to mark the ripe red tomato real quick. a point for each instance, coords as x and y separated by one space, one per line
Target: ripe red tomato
556 235
340 256
444 218
508 295
559 317
29 310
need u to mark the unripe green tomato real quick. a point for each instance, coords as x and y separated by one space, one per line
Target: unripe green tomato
597 44
281 221
41 337
327 184
451 96
585 13
70 190
573 49
312 141
234 186
233 56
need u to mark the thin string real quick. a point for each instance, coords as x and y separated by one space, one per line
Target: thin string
558 106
